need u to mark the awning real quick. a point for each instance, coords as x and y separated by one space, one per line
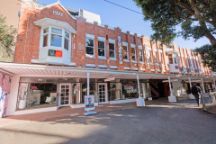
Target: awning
37 70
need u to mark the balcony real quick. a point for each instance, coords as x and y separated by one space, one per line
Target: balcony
174 68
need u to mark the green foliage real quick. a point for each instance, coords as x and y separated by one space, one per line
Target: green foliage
208 53
196 17
7 34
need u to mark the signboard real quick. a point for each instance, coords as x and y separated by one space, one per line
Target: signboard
109 79
89 105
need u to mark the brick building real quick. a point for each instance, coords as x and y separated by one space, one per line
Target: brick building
62 55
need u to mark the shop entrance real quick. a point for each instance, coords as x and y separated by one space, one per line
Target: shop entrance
102 92
65 93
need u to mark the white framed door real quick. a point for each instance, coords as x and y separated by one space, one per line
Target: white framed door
65 94
102 93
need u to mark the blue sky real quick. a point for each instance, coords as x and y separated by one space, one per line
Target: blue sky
128 21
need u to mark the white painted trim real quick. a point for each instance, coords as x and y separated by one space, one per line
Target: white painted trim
123 101
113 67
90 36
101 39
125 44
132 45
90 65
39 110
102 66
126 68
112 41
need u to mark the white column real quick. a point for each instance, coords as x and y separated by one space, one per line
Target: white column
88 83
214 84
189 80
140 101
171 98
202 84
170 86
138 83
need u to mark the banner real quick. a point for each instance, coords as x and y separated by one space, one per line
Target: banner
89 105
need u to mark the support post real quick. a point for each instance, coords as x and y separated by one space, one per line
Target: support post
138 83
88 83
189 80
171 98
214 84
140 101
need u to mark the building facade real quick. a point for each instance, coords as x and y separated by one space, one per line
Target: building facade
62 55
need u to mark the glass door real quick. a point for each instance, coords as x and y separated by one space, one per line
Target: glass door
102 92
65 94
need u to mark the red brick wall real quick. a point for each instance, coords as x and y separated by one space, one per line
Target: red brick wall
28 42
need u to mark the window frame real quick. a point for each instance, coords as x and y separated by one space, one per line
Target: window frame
101 39
112 41
125 44
148 51
92 37
141 51
49 33
133 47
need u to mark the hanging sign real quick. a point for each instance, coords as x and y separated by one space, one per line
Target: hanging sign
89 105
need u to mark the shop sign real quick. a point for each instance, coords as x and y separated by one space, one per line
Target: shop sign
58 13
130 89
89 105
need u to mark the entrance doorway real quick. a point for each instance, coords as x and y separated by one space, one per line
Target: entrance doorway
65 93
102 93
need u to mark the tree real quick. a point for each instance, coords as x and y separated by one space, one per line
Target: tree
208 53
197 18
7 35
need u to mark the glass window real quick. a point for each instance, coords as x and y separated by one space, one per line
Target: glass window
125 52
148 56
37 95
101 48
141 58
170 58
66 40
45 36
112 50
56 37
89 46
133 54
129 89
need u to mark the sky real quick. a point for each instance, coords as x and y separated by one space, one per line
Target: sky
114 16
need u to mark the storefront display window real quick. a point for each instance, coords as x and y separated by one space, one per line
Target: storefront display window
129 89
37 95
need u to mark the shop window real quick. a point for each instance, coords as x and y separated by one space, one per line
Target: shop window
112 53
37 95
129 89
90 45
101 48
66 40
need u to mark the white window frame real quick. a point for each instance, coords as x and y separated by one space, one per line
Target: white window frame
148 51
112 41
133 46
49 38
90 36
141 51
102 39
126 45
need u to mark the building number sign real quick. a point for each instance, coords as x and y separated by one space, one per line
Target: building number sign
58 13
